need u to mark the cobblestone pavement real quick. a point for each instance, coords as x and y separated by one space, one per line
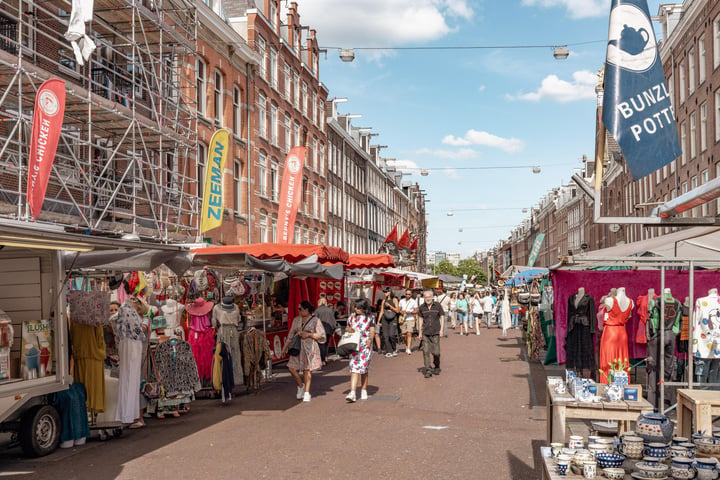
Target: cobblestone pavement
482 418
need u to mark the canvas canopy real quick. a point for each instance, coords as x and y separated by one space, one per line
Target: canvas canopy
308 266
289 251
699 243
379 260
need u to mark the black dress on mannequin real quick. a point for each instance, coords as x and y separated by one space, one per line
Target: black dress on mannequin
581 326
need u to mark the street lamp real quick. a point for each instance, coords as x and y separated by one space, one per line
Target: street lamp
347 54
561 53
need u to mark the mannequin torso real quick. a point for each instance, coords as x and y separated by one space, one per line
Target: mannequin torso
579 296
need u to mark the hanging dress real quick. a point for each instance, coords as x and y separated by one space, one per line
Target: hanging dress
581 326
614 343
226 322
202 341
88 344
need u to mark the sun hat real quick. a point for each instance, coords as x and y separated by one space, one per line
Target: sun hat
141 305
228 304
199 307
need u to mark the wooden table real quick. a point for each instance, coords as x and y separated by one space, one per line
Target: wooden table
561 406
695 409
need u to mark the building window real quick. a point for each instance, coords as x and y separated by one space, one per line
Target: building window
262 175
702 58
691 72
683 85
303 98
322 204
703 127
315 154
273 228
262 116
200 163
288 133
717 115
274 125
200 87
296 128
321 158
263 226
693 134
683 142
316 200
237 187
716 42
274 180
296 90
237 112
218 98
274 68
296 235
262 50
288 82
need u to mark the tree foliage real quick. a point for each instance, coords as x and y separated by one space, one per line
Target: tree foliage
466 266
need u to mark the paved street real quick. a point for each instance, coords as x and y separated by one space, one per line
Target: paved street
478 420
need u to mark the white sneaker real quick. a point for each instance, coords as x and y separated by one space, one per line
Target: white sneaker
477 333
351 398
394 354
363 395
306 397
408 351
300 392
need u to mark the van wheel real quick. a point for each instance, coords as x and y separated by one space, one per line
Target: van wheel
40 431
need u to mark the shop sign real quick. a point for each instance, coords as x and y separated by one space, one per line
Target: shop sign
535 249
212 206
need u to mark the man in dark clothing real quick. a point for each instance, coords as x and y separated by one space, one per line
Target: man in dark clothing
431 326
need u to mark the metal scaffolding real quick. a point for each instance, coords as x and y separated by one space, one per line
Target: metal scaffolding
126 160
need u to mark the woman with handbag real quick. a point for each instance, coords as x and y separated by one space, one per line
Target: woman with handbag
363 321
389 310
309 330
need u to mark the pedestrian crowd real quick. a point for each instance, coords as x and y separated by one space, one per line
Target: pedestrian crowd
430 315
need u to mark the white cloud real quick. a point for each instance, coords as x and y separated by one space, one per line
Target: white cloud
576 8
461 154
451 173
404 165
376 23
473 137
553 88
481 88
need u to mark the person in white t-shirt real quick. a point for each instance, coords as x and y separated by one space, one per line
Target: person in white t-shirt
477 311
488 307
408 309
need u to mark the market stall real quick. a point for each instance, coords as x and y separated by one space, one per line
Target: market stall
304 277
40 263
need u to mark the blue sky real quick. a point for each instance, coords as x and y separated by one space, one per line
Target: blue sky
452 111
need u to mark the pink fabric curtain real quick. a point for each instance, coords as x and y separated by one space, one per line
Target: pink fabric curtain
636 283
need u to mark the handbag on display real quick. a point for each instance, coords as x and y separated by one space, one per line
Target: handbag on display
349 343
152 389
294 349
89 307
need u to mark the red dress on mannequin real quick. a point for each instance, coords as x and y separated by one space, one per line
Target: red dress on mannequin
614 343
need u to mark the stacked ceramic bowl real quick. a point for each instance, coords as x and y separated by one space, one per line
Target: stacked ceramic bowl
609 460
649 467
707 446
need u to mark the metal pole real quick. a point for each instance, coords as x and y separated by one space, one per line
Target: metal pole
21 117
691 312
661 357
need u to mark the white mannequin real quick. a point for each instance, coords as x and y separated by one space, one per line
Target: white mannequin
651 293
713 292
622 299
667 292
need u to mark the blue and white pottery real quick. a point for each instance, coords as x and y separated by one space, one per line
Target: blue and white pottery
682 468
609 460
654 427
707 468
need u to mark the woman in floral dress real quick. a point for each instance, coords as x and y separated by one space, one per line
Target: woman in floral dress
311 331
363 321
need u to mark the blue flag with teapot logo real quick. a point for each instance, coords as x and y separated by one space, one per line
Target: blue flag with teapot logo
637 109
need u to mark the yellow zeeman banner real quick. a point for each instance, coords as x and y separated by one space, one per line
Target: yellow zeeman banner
212 206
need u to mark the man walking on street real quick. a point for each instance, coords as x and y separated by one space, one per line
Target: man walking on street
409 308
431 326
444 301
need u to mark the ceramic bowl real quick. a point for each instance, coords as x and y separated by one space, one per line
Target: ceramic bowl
581 456
652 470
707 446
614 473
609 460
